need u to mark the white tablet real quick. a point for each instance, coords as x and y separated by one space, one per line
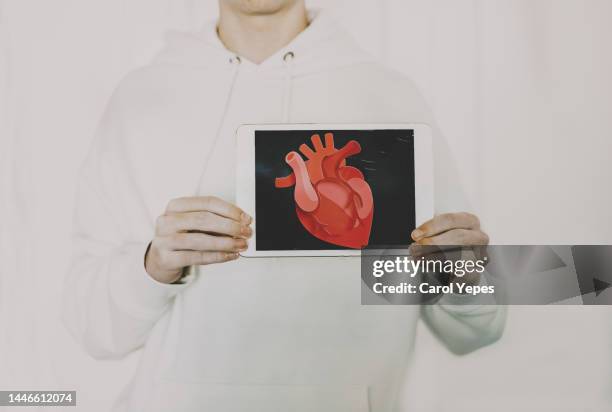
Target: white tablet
333 189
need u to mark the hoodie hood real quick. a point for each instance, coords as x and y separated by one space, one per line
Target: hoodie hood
323 45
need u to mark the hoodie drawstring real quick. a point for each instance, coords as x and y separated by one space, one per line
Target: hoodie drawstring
288 87
235 62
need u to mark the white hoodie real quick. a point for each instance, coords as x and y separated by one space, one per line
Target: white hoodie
254 334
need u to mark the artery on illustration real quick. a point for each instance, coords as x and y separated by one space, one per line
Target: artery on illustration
333 201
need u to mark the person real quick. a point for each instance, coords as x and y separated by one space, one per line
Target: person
245 334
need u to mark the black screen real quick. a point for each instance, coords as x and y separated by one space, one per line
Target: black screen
386 161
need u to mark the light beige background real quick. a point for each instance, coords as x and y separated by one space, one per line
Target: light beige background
521 88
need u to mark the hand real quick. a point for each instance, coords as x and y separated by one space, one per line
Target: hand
458 230
451 229
196 231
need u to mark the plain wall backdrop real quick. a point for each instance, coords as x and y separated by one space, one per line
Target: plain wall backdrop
521 88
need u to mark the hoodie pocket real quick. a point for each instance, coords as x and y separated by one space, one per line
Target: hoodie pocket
275 323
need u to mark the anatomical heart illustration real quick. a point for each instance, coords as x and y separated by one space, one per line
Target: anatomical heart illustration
333 201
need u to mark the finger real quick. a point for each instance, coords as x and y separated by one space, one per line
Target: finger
306 151
188 258
329 141
456 237
203 242
208 204
203 222
417 249
445 222
316 142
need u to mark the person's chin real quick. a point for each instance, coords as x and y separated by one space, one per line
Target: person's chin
263 7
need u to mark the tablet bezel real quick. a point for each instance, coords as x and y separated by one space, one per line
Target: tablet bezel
245 176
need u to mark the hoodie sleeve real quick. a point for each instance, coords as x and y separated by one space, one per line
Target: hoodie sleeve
110 303
463 323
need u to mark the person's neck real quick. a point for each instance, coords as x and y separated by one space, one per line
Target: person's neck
257 37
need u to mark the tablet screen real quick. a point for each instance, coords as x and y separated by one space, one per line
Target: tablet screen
334 189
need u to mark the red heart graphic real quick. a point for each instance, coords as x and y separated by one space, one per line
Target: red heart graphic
333 200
